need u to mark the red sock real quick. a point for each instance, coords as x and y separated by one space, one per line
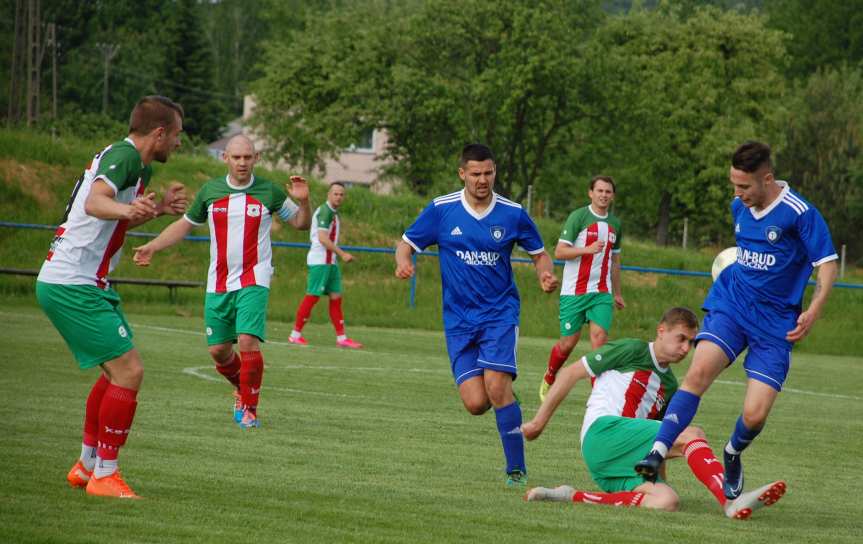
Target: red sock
115 419
231 370
251 376
304 311
555 361
91 411
336 315
706 467
621 498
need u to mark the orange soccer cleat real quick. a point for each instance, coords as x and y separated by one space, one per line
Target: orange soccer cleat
111 486
79 475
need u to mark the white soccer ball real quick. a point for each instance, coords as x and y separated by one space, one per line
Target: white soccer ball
725 258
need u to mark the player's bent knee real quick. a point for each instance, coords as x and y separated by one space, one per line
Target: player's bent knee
476 407
221 353
661 499
248 342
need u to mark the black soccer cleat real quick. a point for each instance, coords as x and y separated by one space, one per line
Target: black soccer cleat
648 467
732 485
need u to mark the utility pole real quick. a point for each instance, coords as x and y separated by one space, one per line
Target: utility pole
109 51
34 56
52 41
13 110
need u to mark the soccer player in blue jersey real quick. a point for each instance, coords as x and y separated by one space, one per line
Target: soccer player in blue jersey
755 303
475 230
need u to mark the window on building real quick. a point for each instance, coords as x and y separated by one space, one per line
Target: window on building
365 143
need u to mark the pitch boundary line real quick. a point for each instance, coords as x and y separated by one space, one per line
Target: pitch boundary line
196 371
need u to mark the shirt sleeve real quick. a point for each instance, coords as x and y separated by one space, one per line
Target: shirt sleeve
615 354
815 235
424 230
568 233
528 235
618 236
119 169
325 217
283 206
196 214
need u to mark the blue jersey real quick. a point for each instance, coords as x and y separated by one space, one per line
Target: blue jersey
777 249
475 249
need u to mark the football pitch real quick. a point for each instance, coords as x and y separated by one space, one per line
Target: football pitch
374 446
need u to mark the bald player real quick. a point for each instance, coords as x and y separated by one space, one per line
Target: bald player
238 208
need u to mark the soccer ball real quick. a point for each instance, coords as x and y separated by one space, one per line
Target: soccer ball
725 258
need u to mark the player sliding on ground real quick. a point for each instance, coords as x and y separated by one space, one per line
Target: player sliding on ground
633 382
239 209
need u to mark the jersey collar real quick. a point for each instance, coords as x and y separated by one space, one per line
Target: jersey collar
655 362
239 187
590 207
335 211
473 213
768 209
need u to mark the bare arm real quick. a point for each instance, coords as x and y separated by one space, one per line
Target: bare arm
174 202
563 384
331 246
299 191
404 263
615 282
827 273
545 271
102 203
568 252
172 234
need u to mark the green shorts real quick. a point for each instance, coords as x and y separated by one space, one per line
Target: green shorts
324 279
576 310
237 312
89 319
612 447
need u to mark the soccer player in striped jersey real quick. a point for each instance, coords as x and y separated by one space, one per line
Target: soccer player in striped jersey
632 384
476 230
325 277
239 209
755 303
73 288
590 245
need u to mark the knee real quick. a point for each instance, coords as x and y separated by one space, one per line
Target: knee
662 500
248 342
692 433
567 344
598 338
221 353
476 407
754 417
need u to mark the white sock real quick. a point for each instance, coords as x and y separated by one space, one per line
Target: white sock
661 448
104 467
730 449
296 334
88 456
341 337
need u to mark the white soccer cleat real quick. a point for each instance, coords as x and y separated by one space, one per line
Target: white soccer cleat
743 506
561 493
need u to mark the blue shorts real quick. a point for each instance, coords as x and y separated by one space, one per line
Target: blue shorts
491 347
768 359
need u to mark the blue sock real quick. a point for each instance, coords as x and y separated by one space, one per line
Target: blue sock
509 427
742 436
678 416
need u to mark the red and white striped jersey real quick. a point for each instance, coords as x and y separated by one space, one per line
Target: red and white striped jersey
327 219
627 381
239 218
86 249
589 273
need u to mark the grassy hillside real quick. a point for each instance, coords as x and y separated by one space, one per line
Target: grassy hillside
37 175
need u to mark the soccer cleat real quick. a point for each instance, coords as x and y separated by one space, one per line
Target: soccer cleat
732 486
79 475
110 486
543 390
561 493
649 466
516 478
249 420
300 341
238 407
743 506
348 343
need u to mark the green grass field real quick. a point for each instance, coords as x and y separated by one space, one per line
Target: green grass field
374 446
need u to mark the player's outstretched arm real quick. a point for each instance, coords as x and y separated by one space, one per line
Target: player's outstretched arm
563 384
545 271
827 273
404 265
298 190
174 202
172 234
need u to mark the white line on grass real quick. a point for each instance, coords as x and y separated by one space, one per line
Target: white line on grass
197 371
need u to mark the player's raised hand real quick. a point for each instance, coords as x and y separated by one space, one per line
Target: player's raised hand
548 281
174 200
143 208
143 254
298 188
804 324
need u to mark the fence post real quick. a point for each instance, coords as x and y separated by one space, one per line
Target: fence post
413 301
685 230
842 263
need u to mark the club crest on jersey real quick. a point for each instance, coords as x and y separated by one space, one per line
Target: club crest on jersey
612 238
253 210
773 234
497 233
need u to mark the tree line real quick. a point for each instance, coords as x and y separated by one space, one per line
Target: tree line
654 93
